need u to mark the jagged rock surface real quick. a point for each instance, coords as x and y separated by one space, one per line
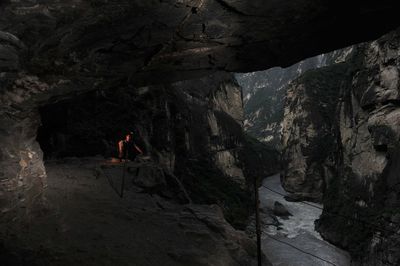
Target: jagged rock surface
309 131
86 223
264 95
22 174
71 48
361 200
368 164
182 39
191 129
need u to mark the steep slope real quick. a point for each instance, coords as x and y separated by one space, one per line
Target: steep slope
358 148
368 164
264 94
309 131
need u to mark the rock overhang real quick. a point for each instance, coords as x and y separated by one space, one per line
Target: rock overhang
163 41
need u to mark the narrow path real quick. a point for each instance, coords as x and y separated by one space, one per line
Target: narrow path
85 222
298 231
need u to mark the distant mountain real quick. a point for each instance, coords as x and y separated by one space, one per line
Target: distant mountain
264 93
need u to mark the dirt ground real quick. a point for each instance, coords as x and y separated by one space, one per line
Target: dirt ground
85 222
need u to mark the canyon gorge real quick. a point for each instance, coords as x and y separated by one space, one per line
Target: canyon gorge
77 76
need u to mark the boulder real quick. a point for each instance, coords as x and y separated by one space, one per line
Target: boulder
147 176
280 210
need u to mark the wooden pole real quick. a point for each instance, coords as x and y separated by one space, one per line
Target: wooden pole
123 179
258 228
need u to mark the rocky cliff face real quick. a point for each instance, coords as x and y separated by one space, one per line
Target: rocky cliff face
309 131
367 189
361 193
264 95
54 49
22 174
189 118
57 50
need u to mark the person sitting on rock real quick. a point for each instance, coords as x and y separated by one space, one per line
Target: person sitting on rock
127 148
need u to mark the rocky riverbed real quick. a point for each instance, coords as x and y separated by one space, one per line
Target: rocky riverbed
283 237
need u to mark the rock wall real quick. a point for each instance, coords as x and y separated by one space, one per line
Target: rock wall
192 128
22 174
367 188
264 95
361 199
171 122
309 131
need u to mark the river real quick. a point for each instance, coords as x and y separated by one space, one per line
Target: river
297 232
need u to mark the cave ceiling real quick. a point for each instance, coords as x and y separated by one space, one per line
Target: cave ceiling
148 41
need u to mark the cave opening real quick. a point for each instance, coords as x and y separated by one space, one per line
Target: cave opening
59 136
88 125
